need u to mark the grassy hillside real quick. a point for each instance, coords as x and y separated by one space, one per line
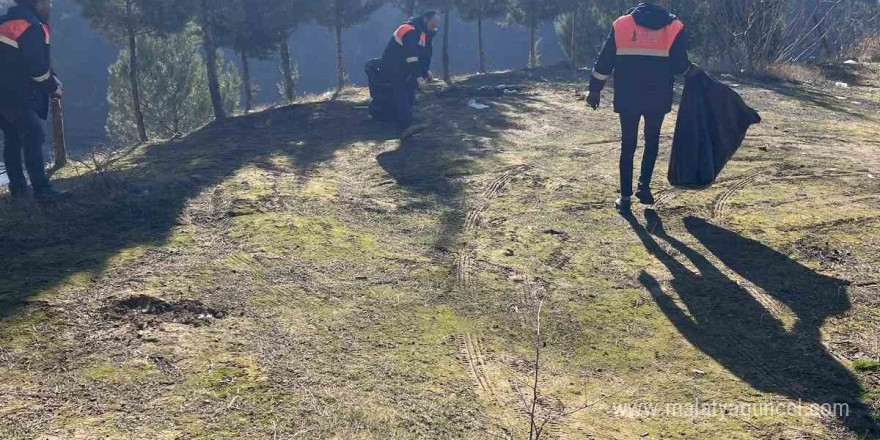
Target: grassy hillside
299 273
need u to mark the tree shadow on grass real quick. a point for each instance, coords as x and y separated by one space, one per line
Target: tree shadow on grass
454 148
741 329
818 98
41 246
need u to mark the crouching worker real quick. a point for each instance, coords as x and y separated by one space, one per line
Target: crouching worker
26 85
404 68
646 48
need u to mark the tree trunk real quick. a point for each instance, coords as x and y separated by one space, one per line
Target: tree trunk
246 83
533 45
134 76
826 48
287 72
480 47
211 63
340 69
447 74
572 48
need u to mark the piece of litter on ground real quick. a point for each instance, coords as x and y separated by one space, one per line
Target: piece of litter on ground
474 104
735 85
841 85
842 98
510 92
699 372
870 176
850 62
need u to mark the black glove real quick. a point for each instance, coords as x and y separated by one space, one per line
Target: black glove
593 100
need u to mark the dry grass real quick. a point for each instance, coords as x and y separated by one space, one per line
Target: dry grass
795 73
868 49
286 275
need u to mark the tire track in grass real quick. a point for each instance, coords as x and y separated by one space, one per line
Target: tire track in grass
461 270
471 357
719 211
665 197
474 218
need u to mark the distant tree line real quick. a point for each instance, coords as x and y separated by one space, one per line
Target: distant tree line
166 40
749 35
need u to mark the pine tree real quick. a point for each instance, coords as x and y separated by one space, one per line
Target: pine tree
295 13
447 23
409 7
338 15
123 22
583 26
479 11
209 15
253 30
531 13
176 100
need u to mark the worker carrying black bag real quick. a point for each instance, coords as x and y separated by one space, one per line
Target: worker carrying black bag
712 124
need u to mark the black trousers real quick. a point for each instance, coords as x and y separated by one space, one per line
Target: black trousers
24 132
629 126
404 100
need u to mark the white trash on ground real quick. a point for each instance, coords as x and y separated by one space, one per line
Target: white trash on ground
850 62
841 85
474 104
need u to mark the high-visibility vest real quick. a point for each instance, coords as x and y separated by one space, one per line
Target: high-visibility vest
12 30
10 33
634 40
406 28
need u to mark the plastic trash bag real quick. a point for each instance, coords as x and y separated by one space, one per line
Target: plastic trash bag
712 124
382 105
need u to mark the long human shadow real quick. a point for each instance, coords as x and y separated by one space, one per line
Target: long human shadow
42 246
727 322
432 165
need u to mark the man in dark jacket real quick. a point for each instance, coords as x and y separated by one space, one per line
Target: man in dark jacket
646 48
405 65
26 84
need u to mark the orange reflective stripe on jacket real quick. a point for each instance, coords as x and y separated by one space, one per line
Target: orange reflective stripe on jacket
632 39
12 30
402 31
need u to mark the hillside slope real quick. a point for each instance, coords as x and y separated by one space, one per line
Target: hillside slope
300 273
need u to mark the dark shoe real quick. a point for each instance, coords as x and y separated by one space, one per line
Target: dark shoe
644 195
623 204
412 131
50 194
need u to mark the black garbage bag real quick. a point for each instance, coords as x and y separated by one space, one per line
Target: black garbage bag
712 124
382 106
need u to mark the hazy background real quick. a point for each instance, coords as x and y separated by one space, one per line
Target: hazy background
82 57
